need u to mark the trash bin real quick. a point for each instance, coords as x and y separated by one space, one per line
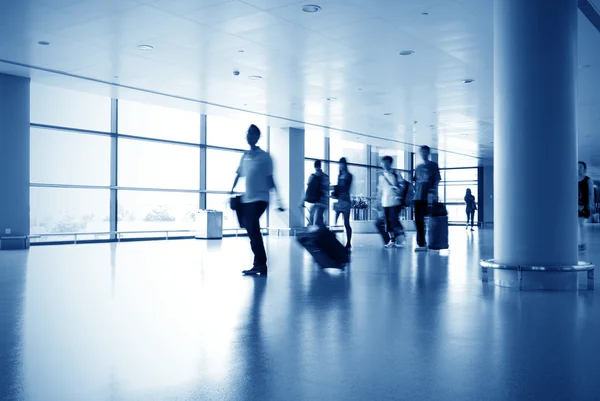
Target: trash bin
209 224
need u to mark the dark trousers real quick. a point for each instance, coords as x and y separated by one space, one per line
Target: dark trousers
392 220
471 217
420 213
252 213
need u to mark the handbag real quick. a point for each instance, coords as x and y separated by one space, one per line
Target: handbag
235 202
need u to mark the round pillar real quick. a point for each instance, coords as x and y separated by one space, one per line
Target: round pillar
535 138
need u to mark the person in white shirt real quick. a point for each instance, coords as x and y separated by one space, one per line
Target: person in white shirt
391 189
257 167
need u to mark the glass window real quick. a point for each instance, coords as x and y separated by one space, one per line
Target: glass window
463 174
221 167
354 152
146 164
72 158
151 121
69 210
314 143
220 202
66 108
230 132
156 211
456 193
457 214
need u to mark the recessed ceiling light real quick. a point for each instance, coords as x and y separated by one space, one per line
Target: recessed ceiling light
311 8
468 81
145 47
359 89
387 114
254 77
424 13
240 51
43 43
406 52
332 99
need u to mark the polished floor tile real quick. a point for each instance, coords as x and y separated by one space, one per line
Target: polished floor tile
174 320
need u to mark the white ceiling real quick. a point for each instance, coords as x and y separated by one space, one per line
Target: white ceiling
349 50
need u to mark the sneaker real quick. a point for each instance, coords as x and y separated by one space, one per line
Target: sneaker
421 249
389 244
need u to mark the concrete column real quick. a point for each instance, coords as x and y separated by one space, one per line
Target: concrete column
535 139
287 151
14 155
486 197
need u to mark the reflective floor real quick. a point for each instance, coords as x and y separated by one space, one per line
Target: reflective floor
174 320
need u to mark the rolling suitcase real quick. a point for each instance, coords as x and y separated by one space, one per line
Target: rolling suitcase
437 233
324 247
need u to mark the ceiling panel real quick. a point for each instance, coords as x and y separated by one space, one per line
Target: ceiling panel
348 50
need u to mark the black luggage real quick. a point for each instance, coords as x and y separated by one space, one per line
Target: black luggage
438 227
324 247
382 229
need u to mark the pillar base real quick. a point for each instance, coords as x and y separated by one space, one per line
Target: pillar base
524 278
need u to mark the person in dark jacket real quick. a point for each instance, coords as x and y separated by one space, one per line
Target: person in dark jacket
341 192
586 202
471 207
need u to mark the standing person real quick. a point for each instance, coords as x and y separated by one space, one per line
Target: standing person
257 167
316 194
391 189
471 207
586 202
427 178
341 192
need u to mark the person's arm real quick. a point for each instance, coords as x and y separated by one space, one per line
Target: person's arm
238 174
436 181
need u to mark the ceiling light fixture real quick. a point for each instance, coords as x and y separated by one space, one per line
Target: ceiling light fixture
387 114
145 48
332 99
424 13
240 51
468 81
406 52
311 8
44 43
255 77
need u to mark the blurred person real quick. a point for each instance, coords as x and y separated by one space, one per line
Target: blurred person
427 178
316 194
341 192
471 207
391 190
586 202
257 168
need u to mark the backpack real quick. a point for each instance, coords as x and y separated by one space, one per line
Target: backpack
409 193
313 190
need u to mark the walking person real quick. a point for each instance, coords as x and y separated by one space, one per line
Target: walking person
341 192
427 178
316 194
471 207
586 202
391 189
257 167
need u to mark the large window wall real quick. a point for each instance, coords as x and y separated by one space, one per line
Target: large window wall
101 166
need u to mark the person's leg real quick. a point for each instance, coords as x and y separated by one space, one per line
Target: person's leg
348 228
253 213
337 216
400 236
581 239
312 210
468 213
388 226
472 218
319 216
420 211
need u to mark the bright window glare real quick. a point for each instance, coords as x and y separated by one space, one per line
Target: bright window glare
158 122
145 164
69 158
66 108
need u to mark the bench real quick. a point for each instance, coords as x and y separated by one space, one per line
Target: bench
15 242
